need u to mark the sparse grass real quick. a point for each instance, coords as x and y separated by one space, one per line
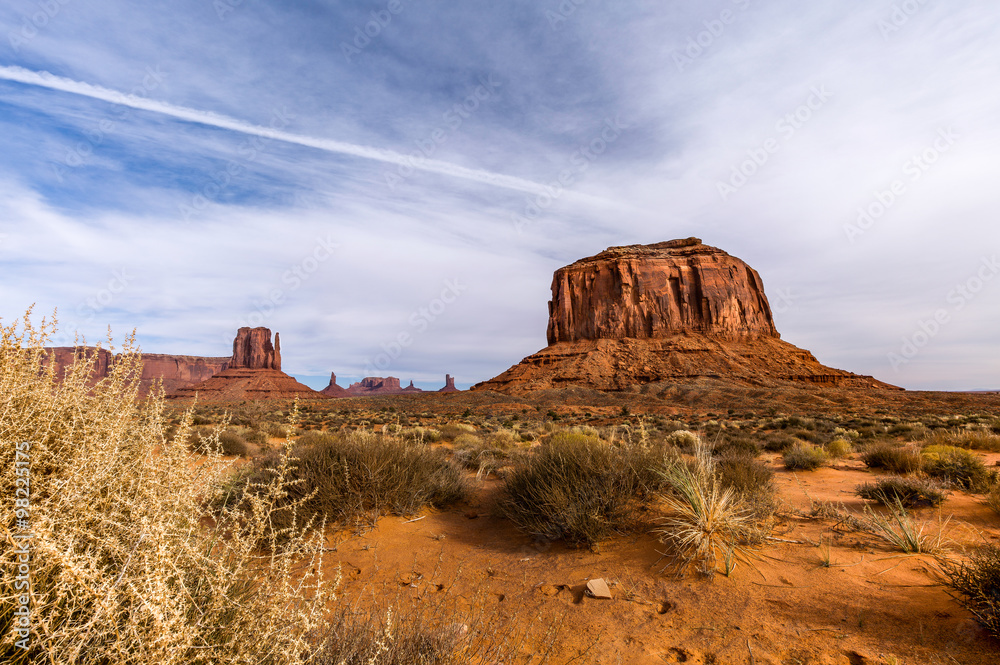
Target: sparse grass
579 488
909 492
892 457
125 568
707 522
959 467
977 582
903 532
778 443
993 499
804 457
345 478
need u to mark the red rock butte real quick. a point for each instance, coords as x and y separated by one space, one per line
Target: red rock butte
254 372
669 311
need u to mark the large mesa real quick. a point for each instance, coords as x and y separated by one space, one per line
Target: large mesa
672 311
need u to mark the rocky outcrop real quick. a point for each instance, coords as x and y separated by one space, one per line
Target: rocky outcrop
449 384
672 311
654 291
412 388
252 349
100 360
376 385
333 390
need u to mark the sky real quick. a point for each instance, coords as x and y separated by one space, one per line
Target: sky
391 184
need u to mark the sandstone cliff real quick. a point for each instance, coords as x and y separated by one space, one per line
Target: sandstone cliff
252 349
671 311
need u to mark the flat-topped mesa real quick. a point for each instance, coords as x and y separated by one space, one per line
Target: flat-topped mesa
252 349
655 291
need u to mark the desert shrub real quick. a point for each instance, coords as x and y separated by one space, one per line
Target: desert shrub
977 582
978 439
277 430
586 430
778 443
451 431
804 457
706 520
993 499
422 434
467 440
736 444
253 436
839 448
958 467
232 443
127 563
751 481
683 439
345 477
578 488
907 491
504 438
892 457
809 436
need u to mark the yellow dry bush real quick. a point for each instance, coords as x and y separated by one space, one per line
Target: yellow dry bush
128 561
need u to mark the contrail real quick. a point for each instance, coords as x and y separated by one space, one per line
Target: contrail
52 82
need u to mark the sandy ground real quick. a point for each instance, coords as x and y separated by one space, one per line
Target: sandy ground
828 595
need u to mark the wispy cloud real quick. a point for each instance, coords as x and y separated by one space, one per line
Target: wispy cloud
47 80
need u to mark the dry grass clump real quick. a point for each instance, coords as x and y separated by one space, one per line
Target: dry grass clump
451 431
993 499
751 481
228 442
977 582
579 488
958 467
486 457
977 439
892 457
804 457
707 521
123 567
902 531
343 478
839 449
909 492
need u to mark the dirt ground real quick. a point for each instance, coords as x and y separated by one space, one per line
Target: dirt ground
818 592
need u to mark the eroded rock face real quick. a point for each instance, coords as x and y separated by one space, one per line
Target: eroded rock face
678 312
655 291
449 384
252 349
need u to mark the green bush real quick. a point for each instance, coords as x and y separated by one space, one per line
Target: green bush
578 488
839 448
892 457
908 492
804 457
957 466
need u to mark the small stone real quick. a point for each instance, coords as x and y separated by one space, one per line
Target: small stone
598 589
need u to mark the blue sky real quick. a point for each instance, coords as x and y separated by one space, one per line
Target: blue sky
386 200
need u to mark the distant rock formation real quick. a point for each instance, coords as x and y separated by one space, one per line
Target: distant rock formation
449 384
253 373
333 390
376 385
252 350
674 310
173 372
